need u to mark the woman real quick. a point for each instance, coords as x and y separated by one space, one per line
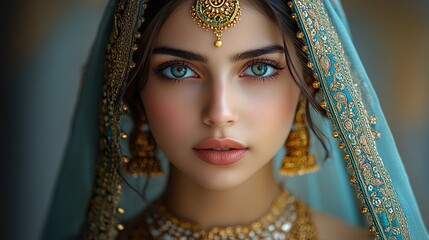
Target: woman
220 104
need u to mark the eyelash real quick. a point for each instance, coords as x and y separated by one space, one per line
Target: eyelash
159 70
271 63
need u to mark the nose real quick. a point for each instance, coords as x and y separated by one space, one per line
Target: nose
219 109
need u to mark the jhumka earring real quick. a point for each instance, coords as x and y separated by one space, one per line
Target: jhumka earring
216 15
143 160
298 161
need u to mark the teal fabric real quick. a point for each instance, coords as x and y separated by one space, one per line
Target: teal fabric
73 189
327 190
386 144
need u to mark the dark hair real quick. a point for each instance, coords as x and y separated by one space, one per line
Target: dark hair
278 11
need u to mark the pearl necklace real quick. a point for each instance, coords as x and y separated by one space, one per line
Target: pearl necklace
288 218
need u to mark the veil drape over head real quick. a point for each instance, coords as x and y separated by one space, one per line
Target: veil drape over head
362 152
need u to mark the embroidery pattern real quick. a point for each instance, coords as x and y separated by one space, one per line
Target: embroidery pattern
351 121
101 215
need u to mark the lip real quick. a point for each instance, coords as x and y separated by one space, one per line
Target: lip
223 151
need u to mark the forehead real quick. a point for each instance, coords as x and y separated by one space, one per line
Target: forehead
254 30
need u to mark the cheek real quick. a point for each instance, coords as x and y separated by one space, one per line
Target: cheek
275 110
161 112
170 112
163 115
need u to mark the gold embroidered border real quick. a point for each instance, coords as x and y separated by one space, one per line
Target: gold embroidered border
351 121
101 215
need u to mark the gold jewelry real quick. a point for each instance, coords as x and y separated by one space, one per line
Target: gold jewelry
143 150
297 160
288 218
217 15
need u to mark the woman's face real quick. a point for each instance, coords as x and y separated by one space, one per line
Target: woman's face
219 114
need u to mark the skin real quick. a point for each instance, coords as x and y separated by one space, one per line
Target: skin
222 101
220 98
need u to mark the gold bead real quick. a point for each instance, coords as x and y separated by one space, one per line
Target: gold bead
310 65
132 65
120 227
304 48
364 210
125 159
124 107
300 35
335 134
294 16
346 156
323 104
138 35
353 180
290 4
121 210
124 135
316 84
341 146
372 229
218 43
134 48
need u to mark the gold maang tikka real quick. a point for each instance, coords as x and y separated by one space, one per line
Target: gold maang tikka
216 15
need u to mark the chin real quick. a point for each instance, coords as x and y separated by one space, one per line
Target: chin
220 180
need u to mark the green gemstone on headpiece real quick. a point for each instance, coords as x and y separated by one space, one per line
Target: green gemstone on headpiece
216 15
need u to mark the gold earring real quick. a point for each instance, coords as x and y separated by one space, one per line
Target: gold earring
298 161
143 159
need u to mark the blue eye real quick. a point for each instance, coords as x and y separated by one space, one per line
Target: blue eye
260 69
178 71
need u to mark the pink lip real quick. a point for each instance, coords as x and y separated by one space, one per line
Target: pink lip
209 151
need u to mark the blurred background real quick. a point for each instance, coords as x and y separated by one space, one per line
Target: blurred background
50 43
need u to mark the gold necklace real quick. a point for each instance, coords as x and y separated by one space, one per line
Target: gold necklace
288 218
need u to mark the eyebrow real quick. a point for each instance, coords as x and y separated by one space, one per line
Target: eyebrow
201 58
180 53
258 52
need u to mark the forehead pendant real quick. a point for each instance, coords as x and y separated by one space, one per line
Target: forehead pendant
216 15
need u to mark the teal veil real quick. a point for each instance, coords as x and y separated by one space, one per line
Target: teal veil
363 175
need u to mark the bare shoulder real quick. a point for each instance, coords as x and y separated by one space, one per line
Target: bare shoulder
332 228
